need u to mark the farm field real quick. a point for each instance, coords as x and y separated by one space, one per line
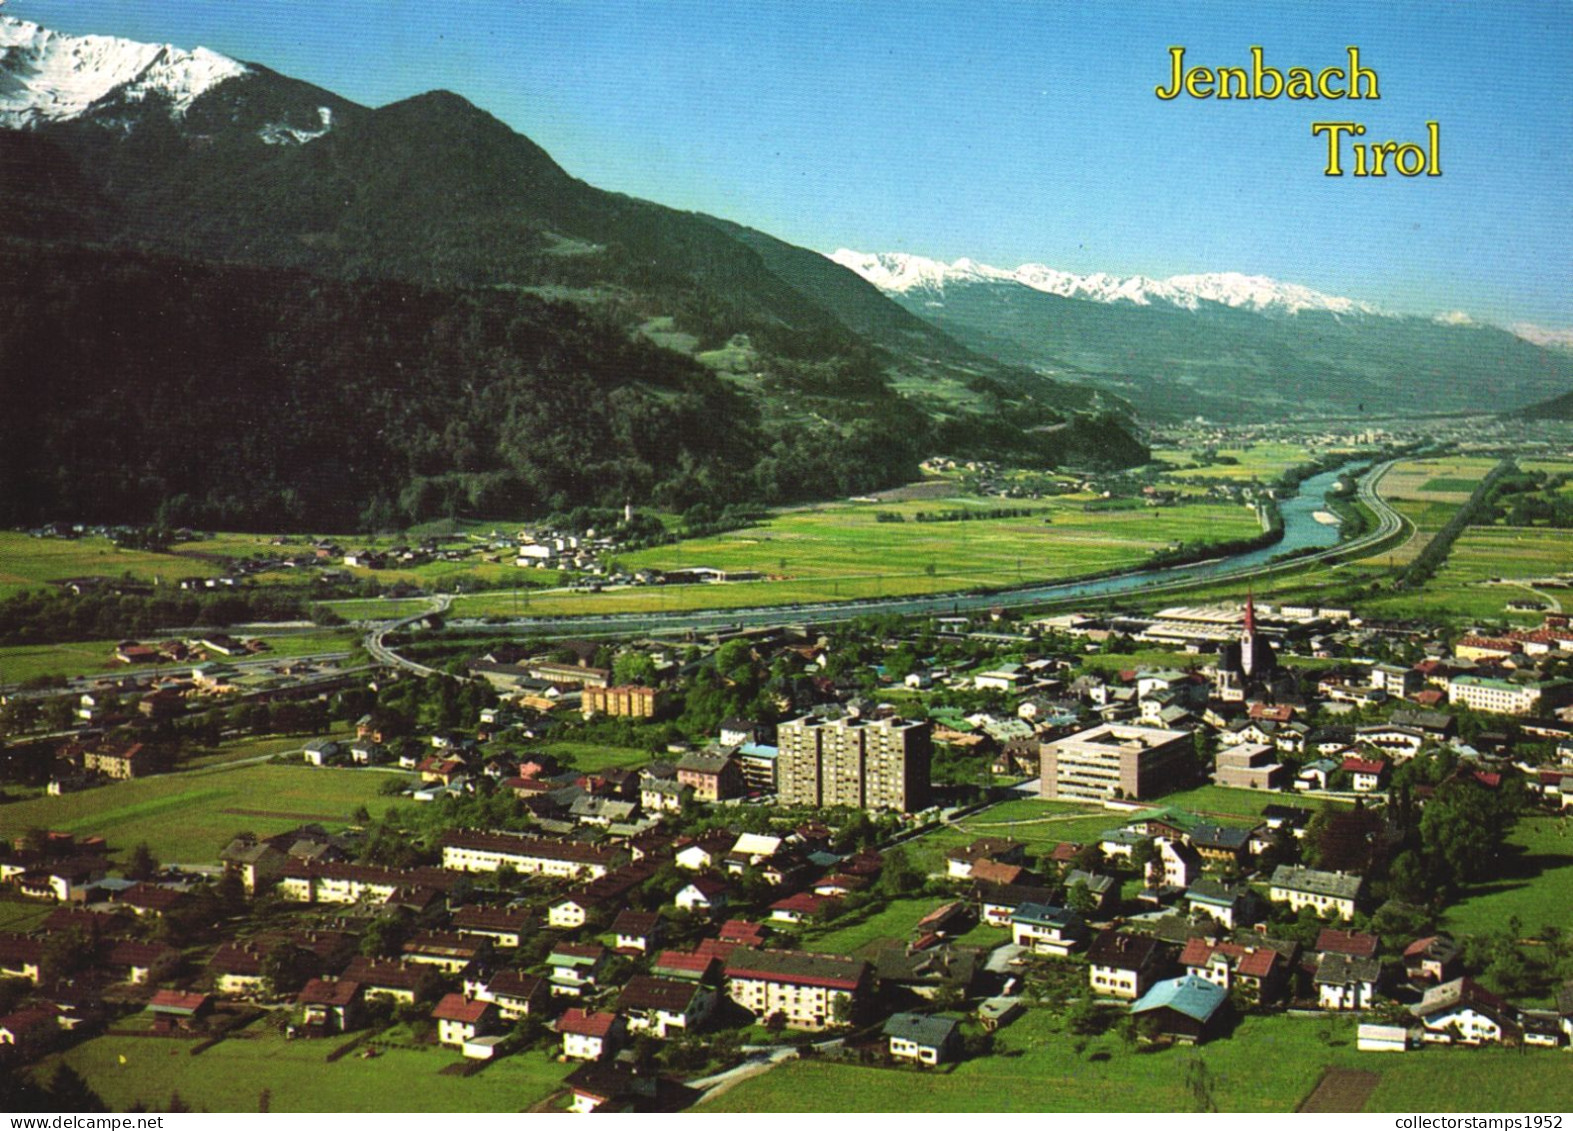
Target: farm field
23 915
188 817
33 661
1265 461
377 609
1451 479
1482 552
1428 492
1269 1064
27 562
1537 886
861 934
1041 825
230 1076
841 551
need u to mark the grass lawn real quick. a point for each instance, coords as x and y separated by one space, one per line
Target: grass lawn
1040 825
188 817
1217 799
592 756
1164 659
1537 886
27 562
230 1076
859 933
840 551
1269 1064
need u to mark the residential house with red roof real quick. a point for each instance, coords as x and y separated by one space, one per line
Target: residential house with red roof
330 1005
590 1035
460 1019
1366 775
1259 973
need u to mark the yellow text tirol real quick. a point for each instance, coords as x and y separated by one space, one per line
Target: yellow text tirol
1371 158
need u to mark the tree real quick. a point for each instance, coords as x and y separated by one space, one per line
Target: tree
1089 858
841 1009
65 953
1198 1081
71 1092
383 937
633 668
1084 1018
1079 898
899 875
288 967
143 866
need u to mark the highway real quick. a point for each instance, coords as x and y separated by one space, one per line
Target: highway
378 650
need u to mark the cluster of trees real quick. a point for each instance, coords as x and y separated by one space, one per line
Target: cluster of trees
1458 837
43 616
1531 498
964 515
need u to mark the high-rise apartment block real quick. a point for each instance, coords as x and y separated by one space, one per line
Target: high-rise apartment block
864 763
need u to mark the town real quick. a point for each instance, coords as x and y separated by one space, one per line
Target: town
649 873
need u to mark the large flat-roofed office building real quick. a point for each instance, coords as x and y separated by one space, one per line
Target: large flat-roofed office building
1116 761
864 763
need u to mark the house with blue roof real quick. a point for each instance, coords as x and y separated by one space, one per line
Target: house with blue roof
1189 1009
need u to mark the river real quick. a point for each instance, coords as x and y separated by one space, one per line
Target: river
1302 532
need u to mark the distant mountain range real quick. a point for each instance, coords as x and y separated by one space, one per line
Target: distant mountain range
587 346
1228 346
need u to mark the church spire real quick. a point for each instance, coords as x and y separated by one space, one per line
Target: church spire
1248 637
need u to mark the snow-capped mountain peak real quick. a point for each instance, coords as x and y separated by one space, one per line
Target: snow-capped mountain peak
898 273
48 76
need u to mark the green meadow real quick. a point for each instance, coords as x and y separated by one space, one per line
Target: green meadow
842 551
1463 586
1263 461
1269 1064
27 562
1535 887
188 817
230 1076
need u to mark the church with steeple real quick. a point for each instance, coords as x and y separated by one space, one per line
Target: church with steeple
1247 665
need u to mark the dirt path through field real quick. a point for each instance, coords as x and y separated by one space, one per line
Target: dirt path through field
1342 1090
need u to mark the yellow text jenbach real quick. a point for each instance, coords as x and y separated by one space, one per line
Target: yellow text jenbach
1258 81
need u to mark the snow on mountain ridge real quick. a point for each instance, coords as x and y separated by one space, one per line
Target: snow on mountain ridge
900 273
47 76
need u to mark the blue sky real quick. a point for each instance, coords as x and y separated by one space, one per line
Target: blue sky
1008 132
